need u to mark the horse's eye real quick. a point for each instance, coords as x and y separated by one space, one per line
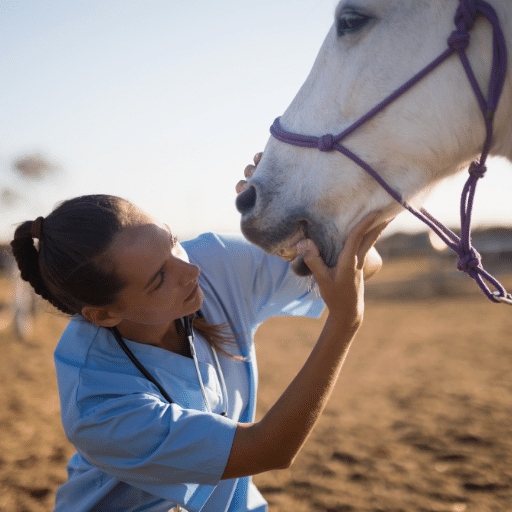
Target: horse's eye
351 22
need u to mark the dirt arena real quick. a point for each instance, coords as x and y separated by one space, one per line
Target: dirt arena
420 421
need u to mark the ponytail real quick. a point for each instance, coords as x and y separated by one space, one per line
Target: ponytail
62 268
26 256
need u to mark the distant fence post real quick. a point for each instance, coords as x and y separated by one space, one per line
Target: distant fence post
23 304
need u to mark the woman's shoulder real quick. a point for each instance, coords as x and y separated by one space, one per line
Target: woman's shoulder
86 345
77 338
208 242
226 251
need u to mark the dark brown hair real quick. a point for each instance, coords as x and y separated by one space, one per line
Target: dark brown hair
63 267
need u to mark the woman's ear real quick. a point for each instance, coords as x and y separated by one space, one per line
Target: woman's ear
100 316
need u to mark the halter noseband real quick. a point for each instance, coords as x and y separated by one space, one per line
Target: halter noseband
469 259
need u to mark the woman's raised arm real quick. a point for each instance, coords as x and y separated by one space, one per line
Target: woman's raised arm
274 441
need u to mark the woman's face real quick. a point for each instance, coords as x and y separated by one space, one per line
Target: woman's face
161 283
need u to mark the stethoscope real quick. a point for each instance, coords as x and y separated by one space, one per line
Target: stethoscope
189 331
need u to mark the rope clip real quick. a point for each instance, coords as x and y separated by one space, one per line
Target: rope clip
502 298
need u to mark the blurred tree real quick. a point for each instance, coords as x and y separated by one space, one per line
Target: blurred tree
8 196
35 166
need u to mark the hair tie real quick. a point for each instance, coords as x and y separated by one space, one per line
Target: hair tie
37 228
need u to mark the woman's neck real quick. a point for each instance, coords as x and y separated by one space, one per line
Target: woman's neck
166 336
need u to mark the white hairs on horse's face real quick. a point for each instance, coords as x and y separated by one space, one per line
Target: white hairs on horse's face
428 133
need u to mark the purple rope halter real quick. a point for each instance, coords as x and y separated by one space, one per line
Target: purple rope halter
469 259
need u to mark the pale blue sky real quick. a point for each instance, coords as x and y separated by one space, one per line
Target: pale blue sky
164 102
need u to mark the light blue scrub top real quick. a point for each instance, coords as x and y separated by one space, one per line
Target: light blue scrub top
135 451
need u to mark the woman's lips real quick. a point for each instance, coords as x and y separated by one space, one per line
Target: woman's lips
193 293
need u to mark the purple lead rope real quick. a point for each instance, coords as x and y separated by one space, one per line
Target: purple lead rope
469 260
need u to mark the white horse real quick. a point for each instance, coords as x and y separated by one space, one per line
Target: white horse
431 132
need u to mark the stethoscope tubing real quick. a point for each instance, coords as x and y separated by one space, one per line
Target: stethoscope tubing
138 364
189 331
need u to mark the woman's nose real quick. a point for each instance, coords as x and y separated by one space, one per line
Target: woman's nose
189 273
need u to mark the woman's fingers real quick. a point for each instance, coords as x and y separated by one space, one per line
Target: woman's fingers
357 245
355 239
312 259
368 242
342 287
241 186
248 172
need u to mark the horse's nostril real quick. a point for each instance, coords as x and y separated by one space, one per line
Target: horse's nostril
246 200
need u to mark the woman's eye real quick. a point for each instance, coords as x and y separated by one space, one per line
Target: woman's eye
162 274
161 277
351 22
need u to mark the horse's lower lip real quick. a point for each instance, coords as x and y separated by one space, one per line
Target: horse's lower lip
287 250
299 267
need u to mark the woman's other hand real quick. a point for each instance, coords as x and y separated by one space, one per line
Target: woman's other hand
248 172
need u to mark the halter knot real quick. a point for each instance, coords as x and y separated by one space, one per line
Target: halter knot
469 262
477 169
326 142
466 14
458 40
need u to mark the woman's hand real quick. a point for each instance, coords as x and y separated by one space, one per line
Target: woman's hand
342 286
248 172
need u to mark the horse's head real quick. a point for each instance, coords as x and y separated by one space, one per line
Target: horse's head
373 47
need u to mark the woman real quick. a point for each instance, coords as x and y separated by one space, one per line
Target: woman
162 422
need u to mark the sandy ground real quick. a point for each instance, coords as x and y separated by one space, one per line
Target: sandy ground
420 421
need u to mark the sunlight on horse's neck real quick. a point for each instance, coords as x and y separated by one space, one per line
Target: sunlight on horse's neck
504 129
